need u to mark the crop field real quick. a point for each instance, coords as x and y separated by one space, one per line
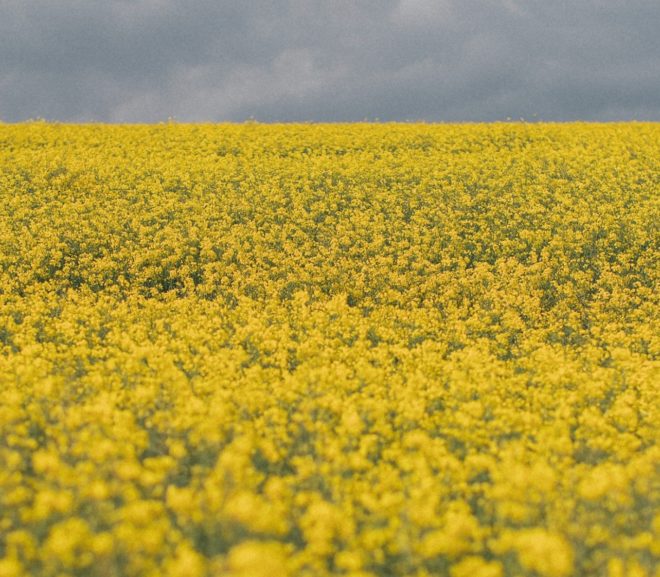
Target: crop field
369 350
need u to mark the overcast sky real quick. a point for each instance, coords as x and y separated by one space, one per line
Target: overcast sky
333 60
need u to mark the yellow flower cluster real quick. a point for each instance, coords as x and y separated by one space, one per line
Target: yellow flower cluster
312 350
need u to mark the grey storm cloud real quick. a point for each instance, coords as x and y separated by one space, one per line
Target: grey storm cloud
333 60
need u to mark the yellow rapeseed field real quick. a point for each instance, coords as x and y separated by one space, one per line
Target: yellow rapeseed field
309 350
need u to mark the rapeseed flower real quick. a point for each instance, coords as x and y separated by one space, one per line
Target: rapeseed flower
329 350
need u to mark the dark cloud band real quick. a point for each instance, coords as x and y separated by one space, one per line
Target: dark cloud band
344 60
